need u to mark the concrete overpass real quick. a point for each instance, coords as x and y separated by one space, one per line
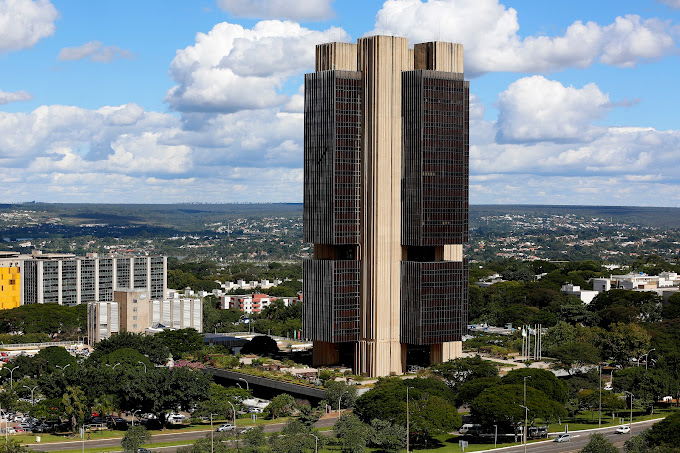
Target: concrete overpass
265 387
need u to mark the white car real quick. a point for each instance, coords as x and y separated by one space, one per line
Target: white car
225 427
625 429
563 437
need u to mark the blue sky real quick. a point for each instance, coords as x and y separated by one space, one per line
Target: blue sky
574 102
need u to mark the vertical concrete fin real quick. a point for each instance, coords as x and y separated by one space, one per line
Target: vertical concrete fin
336 55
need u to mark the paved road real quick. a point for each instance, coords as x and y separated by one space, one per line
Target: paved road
188 436
579 440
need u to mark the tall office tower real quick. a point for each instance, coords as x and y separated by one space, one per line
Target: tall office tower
386 204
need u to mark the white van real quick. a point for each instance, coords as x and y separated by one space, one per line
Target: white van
470 428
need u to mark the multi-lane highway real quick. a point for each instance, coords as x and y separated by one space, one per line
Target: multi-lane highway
187 436
578 440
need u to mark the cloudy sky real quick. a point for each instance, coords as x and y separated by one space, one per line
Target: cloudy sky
574 102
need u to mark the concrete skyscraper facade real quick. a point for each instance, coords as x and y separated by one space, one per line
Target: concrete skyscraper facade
386 203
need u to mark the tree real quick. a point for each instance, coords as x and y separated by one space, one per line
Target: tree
127 357
295 438
281 405
599 444
388 437
387 399
75 406
432 415
254 439
501 405
180 341
161 390
352 434
56 356
471 389
105 404
340 392
135 437
671 309
261 345
647 385
622 342
575 355
542 380
458 371
666 432
12 446
219 398
147 345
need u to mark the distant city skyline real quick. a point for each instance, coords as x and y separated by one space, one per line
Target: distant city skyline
161 102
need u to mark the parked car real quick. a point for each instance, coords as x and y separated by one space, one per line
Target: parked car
624 429
563 437
225 427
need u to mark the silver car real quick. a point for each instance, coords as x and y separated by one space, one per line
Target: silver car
563 437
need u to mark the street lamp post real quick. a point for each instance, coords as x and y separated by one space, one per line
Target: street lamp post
11 376
408 432
32 390
139 361
133 416
114 366
62 368
495 436
247 386
526 417
526 412
212 434
316 443
233 412
599 386
339 401
647 357
630 433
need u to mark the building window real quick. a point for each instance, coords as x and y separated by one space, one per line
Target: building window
134 309
134 326
134 318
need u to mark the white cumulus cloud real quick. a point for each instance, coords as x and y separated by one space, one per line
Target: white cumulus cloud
279 9
233 68
93 51
489 32
17 96
535 109
25 22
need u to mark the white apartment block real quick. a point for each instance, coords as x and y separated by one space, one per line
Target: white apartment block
639 281
586 296
66 279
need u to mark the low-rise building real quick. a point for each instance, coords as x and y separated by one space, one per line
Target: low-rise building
135 311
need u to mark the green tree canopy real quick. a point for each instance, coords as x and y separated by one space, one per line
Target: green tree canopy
501 405
458 371
134 438
542 380
599 444
180 341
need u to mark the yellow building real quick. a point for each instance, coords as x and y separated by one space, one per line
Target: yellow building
10 280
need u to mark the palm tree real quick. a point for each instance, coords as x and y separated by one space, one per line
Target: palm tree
75 406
